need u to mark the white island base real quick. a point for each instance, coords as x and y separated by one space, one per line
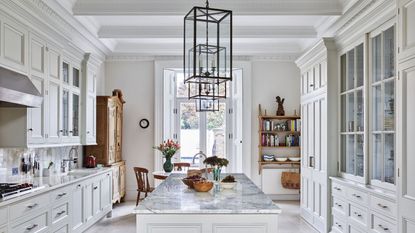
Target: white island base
173 208
207 223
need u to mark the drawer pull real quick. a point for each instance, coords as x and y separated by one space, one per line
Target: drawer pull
383 228
338 225
61 195
60 213
382 206
29 228
337 204
96 187
32 206
338 189
357 214
356 196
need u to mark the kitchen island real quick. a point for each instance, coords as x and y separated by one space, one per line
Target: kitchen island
174 208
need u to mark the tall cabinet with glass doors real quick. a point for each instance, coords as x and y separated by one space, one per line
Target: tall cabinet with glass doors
364 195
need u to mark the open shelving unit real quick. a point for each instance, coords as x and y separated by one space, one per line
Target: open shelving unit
269 144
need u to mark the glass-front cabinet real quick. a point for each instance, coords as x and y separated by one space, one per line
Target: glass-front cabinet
70 117
382 97
352 112
367 110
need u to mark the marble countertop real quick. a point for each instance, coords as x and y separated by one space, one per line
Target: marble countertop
46 184
173 197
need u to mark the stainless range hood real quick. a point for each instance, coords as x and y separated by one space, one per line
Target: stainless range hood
16 90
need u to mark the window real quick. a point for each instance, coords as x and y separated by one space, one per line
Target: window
383 106
352 112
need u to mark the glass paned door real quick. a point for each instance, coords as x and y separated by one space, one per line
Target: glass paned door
189 134
216 132
383 108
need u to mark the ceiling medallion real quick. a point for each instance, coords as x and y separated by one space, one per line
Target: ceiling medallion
207 56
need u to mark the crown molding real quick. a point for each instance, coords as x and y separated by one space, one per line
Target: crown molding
137 58
317 52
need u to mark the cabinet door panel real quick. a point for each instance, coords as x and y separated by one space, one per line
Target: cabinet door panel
14 44
88 201
54 61
407 147
77 207
91 118
54 112
36 126
106 191
37 55
407 27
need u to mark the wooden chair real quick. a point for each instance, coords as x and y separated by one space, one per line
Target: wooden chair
181 166
141 174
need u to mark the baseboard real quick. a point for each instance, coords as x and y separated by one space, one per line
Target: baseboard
284 197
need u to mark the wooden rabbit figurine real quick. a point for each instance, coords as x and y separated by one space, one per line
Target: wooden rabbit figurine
280 109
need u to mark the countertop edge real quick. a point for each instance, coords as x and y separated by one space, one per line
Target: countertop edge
48 189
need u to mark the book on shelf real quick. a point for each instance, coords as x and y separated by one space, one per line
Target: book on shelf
281 125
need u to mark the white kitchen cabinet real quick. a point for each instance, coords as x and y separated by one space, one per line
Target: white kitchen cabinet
89 80
77 209
106 197
406 146
317 66
87 200
54 95
3 229
96 197
14 48
36 116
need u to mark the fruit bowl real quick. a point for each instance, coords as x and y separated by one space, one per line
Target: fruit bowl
189 181
202 185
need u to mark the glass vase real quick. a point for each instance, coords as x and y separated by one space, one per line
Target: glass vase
216 174
168 165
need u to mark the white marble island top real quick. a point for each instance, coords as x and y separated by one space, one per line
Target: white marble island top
173 197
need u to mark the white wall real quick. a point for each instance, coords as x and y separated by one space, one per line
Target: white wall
136 80
271 79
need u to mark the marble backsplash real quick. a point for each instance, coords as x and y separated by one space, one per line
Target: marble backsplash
11 158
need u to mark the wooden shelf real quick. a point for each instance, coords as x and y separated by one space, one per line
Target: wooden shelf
275 132
280 117
282 147
293 164
276 162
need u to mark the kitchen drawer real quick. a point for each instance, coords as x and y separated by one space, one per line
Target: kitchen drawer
3 215
60 213
338 189
353 229
358 215
60 194
339 224
382 225
62 229
37 224
340 205
3 229
357 196
383 206
28 206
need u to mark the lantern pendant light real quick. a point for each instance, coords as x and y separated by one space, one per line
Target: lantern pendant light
207 56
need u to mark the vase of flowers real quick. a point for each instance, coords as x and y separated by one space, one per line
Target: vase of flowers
217 164
168 149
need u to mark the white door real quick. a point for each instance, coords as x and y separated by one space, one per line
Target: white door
236 119
406 147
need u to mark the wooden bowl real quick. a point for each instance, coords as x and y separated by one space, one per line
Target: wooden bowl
188 182
203 186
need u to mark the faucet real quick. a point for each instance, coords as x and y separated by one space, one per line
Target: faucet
201 154
72 159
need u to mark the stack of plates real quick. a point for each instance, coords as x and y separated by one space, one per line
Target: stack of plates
268 158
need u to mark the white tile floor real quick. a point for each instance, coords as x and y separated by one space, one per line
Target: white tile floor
123 221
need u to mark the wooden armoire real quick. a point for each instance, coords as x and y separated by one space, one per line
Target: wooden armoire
108 150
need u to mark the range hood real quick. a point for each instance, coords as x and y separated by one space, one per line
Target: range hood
16 90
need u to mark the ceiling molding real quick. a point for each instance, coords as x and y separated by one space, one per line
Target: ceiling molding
122 57
54 16
181 7
177 32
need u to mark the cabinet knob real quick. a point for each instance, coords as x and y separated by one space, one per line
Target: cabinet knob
357 196
29 228
383 228
96 187
32 206
311 85
382 206
30 129
87 132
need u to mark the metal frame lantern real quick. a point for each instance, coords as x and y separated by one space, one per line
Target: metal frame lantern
207 56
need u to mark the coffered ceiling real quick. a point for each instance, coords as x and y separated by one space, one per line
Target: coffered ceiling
155 27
